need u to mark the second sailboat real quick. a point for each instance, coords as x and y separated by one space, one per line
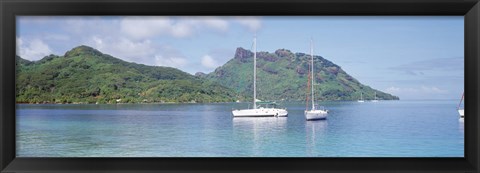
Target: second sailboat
313 113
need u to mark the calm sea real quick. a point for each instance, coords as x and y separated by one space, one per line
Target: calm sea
370 129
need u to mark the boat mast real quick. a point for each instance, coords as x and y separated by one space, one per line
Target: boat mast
308 88
313 82
458 107
255 72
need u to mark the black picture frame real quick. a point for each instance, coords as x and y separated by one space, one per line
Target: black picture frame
470 9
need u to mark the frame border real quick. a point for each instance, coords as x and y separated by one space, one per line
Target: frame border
9 9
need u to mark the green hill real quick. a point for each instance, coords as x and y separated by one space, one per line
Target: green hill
283 76
85 75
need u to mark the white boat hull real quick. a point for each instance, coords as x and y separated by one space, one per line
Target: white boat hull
461 112
262 112
316 115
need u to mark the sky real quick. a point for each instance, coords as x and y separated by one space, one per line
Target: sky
413 57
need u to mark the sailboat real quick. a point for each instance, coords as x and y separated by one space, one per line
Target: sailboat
264 109
313 114
461 110
361 98
375 100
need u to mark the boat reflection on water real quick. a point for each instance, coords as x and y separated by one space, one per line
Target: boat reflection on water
258 125
461 125
256 134
315 133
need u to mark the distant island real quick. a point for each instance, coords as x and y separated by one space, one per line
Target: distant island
86 76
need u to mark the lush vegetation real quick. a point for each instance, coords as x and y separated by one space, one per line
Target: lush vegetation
85 75
283 76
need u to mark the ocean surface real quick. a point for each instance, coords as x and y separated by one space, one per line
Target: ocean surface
370 129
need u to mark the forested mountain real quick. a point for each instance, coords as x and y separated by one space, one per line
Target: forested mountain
283 75
85 75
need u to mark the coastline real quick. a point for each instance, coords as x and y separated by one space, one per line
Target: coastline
191 102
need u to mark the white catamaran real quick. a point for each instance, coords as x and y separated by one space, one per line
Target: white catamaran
461 110
313 114
265 109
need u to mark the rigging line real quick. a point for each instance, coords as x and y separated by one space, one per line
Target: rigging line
463 94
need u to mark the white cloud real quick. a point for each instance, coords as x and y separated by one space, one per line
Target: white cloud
139 39
145 27
98 42
216 23
176 62
142 40
252 23
141 51
189 26
182 29
34 49
19 43
166 55
209 62
129 50
132 49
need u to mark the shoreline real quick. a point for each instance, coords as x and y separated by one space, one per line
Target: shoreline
83 103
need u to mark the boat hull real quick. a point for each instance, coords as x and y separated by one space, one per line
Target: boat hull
461 112
316 115
263 112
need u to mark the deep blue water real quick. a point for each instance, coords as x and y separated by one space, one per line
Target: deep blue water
381 129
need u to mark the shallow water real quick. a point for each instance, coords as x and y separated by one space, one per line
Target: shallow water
352 129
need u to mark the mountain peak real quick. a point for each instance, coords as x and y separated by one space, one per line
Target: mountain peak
82 50
282 75
283 53
243 54
200 74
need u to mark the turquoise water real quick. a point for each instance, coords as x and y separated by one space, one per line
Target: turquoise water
381 129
